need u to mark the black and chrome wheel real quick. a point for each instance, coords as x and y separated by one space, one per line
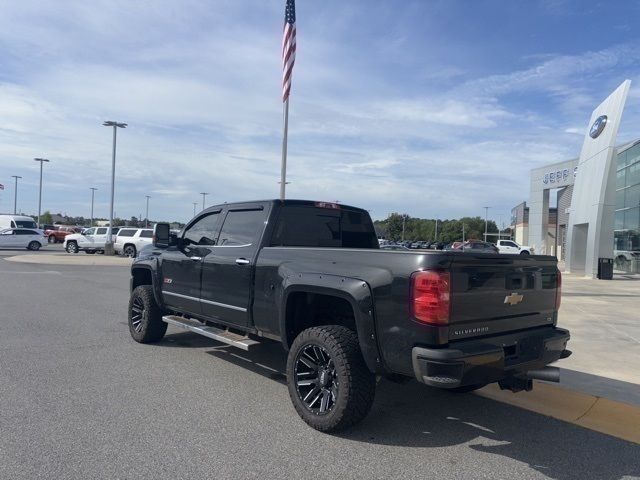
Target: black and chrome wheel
316 379
34 245
72 247
329 383
129 251
145 316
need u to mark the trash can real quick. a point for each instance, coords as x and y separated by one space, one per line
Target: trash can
605 268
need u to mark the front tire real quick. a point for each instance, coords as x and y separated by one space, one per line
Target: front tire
145 316
72 247
524 252
329 383
34 246
129 251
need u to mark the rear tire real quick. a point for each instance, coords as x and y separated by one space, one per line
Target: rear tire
336 390
34 246
145 316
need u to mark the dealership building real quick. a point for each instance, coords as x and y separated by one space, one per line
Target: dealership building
587 210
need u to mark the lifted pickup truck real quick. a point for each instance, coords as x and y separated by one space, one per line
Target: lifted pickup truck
311 276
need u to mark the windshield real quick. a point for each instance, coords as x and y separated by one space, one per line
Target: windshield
25 224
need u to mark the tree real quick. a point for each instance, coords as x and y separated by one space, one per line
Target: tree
46 219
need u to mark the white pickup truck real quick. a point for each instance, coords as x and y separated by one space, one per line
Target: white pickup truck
91 240
509 246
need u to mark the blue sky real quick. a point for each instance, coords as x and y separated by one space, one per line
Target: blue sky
433 108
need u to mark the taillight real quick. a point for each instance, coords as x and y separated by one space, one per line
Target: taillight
430 296
558 289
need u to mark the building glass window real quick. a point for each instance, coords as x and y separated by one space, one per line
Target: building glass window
620 178
633 174
619 224
631 196
632 219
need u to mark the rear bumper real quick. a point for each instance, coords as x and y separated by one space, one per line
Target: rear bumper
488 360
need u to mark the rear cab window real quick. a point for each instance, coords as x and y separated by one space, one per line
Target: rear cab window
323 226
126 232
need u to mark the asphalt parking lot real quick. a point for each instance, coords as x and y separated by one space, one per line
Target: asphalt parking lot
80 399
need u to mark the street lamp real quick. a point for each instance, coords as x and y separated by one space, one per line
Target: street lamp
195 204
41 160
146 219
15 194
203 195
108 247
93 191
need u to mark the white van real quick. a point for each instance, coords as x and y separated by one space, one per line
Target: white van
17 221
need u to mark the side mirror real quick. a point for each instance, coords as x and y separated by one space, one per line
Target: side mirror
161 235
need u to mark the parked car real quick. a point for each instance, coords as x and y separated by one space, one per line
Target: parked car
311 276
131 240
395 247
91 240
58 234
477 246
17 221
509 246
28 238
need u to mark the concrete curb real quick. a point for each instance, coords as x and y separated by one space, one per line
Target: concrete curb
589 411
70 259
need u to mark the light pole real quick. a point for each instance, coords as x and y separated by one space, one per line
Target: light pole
15 194
436 239
93 191
146 219
41 160
108 247
195 204
486 213
204 194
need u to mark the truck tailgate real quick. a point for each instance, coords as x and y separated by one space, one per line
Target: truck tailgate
500 293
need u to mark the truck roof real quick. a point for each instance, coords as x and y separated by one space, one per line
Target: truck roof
312 203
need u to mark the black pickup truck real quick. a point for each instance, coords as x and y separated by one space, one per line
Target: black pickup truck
311 276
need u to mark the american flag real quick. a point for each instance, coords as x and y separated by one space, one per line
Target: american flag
288 47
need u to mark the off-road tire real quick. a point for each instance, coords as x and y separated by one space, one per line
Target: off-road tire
151 327
356 384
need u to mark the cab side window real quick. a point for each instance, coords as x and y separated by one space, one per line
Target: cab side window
204 231
242 228
101 231
90 231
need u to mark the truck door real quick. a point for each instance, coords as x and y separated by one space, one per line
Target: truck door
227 271
182 264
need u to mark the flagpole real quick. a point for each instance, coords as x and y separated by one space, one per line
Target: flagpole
283 167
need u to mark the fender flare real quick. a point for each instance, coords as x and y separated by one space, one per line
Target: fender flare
355 291
155 284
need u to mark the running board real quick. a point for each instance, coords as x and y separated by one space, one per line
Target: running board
224 336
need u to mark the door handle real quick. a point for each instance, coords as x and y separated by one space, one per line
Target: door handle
242 261
196 259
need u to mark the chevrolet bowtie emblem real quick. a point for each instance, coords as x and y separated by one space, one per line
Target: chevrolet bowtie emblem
513 299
